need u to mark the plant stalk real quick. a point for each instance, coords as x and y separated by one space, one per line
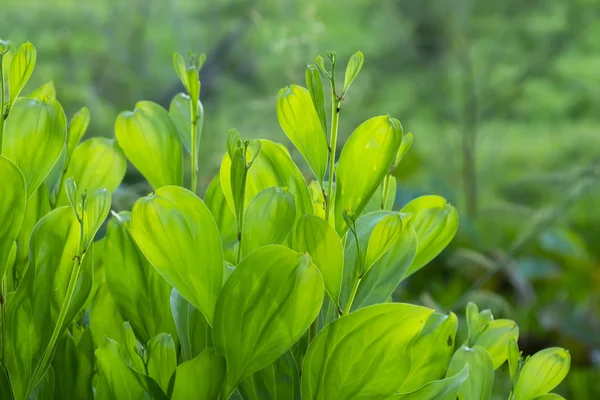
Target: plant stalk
358 280
335 116
241 216
2 93
194 155
3 306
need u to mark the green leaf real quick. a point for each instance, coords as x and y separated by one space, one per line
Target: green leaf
150 140
40 121
480 381
77 128
315 88
120 381
180 68
495 338
132 351
272 167
550 396
200 378
320 240
194 332
38 205
21 68
542 373
32 313
266 305
47 89
234 141
432 352
352 69
224 217
340 362
171 229
180 111
278 381
5 391
378 284
140 293
45 389
95 213
436 222
364 162
12 208
443 389
269 219
105 319
514 359
162 359
407 141
96 163
384 235
302 125
74 363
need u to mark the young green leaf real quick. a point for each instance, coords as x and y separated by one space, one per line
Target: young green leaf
40 121
339 362
352 69
77 128
171 228
118 381
432 352
384 235
132 350
278 381
12 208
47 89
302 125
480 381
407 141
199 378
381 280
150 140
268 302
542 373
94 215
162 359
180 111
320 240
194 332
180 68
495 338
140 293
436 222
269 219
550 396
272 167
315 88
514 359
443 389
365 160
21 68
96 163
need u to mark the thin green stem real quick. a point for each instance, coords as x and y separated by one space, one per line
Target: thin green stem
1 104
77 260
359 278
335 116
3 305
241 217
386 184
194 155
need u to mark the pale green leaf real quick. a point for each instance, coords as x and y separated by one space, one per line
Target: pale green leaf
173 227
495 338
194 332
40 121
180 111
480 381
162 359
12 208
352 69
302 125
20 70
266 305
150 140
224 217
315 88
199 378
443 389
348 361
384 235
542 373
436 222
364 162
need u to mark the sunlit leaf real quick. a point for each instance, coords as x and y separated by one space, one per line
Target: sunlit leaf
384 235
340 363
21 68
480 381
13 200
268 220
150 140
315 88
194 332
162 359
224 217
443 389
199 378
364 161
40 121
435 222
353 68
268 302
302 125
171 228
542 373
180 111
495 339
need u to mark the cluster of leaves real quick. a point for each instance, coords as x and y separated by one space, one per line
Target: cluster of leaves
270 288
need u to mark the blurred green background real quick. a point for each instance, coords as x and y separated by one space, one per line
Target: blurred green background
503 99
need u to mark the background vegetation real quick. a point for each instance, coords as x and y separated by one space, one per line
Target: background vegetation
503 99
